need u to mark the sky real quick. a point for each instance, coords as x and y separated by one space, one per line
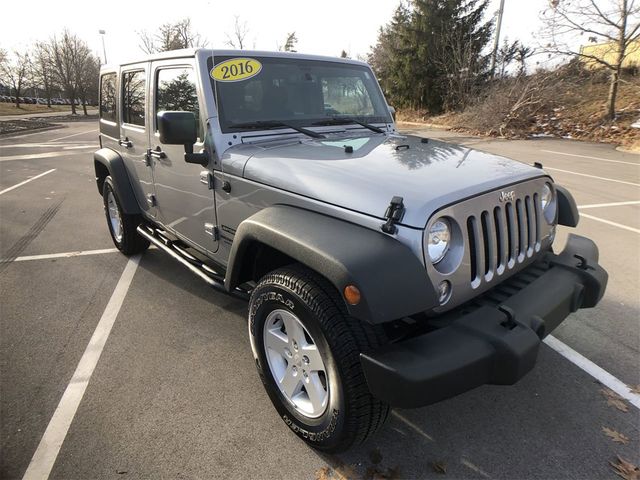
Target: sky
323 28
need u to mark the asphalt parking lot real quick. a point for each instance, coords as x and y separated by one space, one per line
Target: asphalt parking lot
175 393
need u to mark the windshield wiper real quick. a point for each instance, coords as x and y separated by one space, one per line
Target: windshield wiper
345 120
271 124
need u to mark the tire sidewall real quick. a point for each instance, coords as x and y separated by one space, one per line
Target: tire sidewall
108 187
324 431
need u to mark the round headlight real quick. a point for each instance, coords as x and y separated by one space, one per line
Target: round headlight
548 203
546 196
438 240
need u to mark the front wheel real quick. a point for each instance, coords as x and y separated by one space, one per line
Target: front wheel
122 226
307 351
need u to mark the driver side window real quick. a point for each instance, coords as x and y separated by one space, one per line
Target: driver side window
176 91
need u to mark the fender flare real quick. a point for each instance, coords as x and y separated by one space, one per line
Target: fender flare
108 159
392 280
568 214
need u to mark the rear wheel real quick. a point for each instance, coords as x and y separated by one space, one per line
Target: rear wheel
307 351
122 226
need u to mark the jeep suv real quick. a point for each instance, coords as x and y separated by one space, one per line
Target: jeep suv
381 270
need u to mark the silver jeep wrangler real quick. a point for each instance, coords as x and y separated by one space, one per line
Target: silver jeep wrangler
381 270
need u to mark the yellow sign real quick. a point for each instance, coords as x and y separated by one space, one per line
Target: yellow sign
236 69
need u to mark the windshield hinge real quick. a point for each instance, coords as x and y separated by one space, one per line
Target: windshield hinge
394 214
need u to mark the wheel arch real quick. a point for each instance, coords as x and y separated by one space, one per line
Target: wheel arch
107 162
391 279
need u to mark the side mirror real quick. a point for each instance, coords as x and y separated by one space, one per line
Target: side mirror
392 111
179 128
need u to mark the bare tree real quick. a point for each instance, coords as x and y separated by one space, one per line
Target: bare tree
290 43
16 73
88 81
616 23
522 54
171 36
69 57
240 31
42 70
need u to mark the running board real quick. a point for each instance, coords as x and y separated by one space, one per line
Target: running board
200 269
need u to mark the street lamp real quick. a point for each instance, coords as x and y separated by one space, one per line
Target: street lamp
104 50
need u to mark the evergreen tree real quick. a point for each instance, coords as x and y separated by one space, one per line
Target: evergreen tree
431 53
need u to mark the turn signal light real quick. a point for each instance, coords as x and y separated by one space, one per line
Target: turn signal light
352 294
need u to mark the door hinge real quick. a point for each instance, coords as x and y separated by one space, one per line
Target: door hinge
394 214
207 179
211 229
151 200
147 157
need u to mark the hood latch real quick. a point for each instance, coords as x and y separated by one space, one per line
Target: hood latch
394 213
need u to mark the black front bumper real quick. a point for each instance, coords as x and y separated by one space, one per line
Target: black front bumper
496 343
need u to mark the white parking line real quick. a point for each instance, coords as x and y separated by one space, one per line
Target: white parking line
34 156
609 222
51 442
594 176
26 181
79 253
613 204
73 135
594 370
592 158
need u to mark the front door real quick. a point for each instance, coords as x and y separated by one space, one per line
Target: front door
134 133
185 201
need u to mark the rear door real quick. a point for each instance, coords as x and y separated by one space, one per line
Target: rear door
185 200
134 132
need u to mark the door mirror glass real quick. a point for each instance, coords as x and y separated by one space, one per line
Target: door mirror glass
177 128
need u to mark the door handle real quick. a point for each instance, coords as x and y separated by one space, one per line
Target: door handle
157 153
125 143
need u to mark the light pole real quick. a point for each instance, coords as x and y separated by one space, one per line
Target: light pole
104 50
496 44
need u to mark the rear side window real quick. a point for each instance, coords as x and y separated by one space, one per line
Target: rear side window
133 97
176 91
108 97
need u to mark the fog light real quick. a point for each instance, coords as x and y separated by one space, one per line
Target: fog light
444 292
352 294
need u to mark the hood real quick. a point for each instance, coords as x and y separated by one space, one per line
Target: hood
427 175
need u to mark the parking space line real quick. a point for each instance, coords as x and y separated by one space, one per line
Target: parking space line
79 253
594 176
592 158
609 222
27 181
34 156
594 370
613 204
73 135
51 442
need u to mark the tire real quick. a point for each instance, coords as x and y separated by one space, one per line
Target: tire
351 414
122 226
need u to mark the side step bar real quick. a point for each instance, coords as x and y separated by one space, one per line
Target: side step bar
200 269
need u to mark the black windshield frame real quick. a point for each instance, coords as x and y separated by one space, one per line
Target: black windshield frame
223 92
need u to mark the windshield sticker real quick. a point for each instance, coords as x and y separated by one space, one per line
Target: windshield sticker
236 69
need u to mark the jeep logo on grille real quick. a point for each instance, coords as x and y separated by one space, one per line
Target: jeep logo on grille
507 196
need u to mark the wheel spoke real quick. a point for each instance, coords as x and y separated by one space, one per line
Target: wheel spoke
294 330
275 340
290 382
316 392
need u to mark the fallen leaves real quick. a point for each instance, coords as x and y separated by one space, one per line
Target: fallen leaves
615 435
634 389
625 469
614 400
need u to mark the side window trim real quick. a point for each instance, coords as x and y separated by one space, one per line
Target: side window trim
122 97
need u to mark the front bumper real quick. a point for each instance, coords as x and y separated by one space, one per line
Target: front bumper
496 343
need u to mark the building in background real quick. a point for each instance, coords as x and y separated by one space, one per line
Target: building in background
608 52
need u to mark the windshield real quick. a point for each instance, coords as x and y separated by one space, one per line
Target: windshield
253 90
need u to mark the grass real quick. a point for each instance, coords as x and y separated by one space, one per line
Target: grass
10 109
